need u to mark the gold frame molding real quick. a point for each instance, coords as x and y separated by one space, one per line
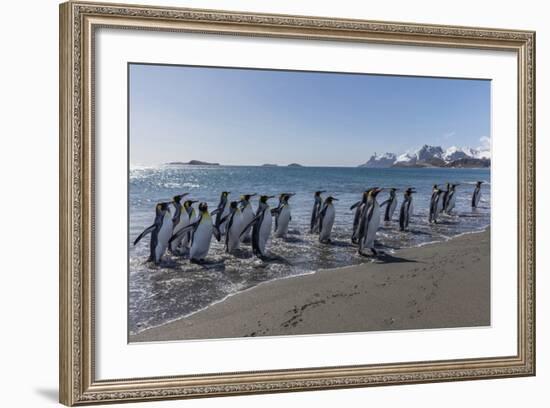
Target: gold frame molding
78 22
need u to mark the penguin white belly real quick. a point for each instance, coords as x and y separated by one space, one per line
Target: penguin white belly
201 240
439 204
163 236
186 239
234 233
184 221
373 226
451 203
265 231
282 222
328 222
411 209
247 217
392 205
478 197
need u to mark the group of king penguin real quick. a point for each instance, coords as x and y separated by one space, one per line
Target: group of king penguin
186 231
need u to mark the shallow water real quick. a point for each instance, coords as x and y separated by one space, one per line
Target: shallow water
176 288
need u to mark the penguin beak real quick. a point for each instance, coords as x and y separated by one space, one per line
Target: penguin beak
194 201
335 199
268 197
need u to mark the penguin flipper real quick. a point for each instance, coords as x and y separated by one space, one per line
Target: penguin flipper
245 229
184 230
384 203
355 205
217 233
144 233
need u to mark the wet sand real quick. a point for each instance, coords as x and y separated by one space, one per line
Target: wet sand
439 285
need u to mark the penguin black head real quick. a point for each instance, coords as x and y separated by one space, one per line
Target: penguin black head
246 197
374 192
264 198
225 194
366 194
330 199
479 183
162 207
410 191
203 207
233 205
435 187
318 193
177 198
285 196
189 203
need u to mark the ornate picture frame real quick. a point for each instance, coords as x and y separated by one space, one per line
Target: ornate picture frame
78 24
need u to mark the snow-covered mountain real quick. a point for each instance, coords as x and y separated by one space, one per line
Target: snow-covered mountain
433 156
380 161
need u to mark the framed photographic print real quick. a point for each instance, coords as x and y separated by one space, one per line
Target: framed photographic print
260 203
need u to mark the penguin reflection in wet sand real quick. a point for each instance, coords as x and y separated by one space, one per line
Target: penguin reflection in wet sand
369 223
391 204
201 234
326 220
406 211
450 202
282 215
477 195
261 227
221 211
247 215
234 227
318 203
160 232
360 206
436 203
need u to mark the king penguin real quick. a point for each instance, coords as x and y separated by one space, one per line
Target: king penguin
261 227
282 215
201 234
179 220
160 232
477 194
360 206
435 204
451 199
221 211
234 227
192 217
326 219
317 204
406 211
369 223
247 215
391 204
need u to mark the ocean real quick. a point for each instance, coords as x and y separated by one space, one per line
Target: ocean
177 288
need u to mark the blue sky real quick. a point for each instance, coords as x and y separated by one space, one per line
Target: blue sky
242 116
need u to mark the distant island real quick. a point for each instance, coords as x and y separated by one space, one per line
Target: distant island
433 156
193 163
270 165
295 165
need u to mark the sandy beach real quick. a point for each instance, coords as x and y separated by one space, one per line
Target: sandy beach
435 286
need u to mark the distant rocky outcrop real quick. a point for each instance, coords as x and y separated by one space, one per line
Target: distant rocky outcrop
295 165
469 162
270 165
433 156
192 163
